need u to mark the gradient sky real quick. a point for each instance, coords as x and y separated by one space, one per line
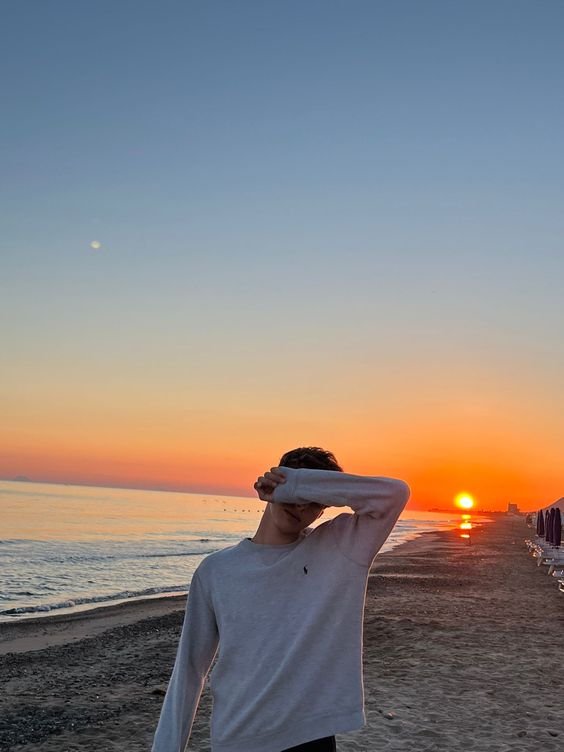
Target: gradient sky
330 223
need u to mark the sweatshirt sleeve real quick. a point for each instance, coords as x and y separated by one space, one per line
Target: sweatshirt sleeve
196 650
377 503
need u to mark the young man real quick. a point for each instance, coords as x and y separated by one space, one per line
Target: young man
286 608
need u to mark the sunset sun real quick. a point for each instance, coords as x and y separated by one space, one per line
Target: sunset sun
464 501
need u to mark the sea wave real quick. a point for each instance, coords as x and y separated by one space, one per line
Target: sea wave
73 602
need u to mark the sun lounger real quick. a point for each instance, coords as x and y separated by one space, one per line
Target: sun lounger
551 562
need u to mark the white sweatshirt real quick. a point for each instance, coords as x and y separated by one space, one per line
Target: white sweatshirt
288 620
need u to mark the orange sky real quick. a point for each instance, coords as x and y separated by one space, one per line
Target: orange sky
442 437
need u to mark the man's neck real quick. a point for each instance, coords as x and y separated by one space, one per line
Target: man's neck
270 535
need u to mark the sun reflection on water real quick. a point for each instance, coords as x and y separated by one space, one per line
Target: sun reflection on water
466 526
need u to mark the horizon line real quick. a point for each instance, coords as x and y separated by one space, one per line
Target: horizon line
25 479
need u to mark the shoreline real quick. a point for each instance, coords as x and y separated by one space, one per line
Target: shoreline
37 632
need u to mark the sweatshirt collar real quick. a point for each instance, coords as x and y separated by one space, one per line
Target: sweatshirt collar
250 545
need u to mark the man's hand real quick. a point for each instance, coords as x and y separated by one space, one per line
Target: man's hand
266 483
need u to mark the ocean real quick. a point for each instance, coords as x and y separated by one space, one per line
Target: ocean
65 548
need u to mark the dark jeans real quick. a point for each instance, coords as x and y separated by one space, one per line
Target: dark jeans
327 744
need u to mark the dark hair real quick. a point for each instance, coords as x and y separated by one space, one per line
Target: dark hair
313 458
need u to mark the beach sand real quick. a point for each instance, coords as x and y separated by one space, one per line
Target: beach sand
463 650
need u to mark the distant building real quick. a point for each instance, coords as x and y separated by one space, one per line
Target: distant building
513 509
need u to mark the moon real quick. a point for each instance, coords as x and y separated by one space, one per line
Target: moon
95 244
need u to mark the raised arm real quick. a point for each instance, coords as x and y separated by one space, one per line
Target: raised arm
377 503
196 650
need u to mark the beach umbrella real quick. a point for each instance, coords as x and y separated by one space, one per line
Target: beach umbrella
557 528
543 523
551 525
547 526
540 523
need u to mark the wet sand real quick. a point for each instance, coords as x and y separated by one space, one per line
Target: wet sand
462 651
